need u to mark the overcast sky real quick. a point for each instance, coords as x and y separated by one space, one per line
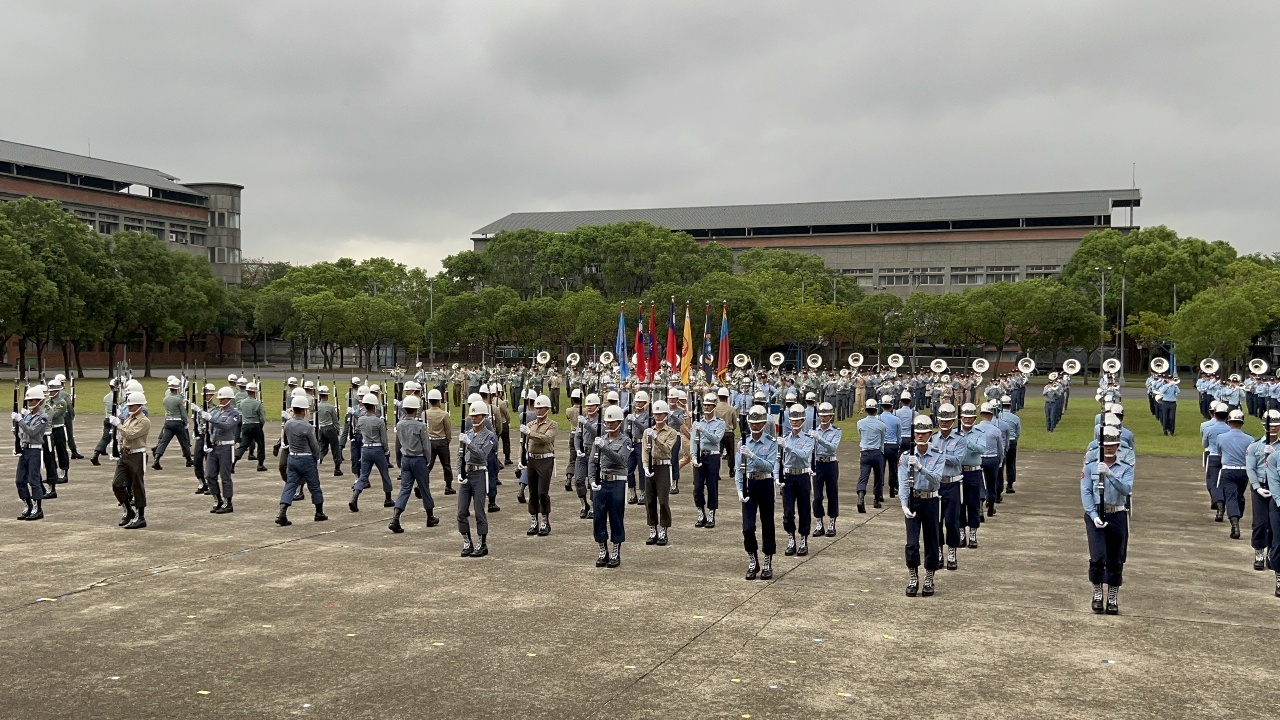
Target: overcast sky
397 128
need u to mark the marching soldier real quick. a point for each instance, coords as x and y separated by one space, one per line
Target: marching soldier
826 475
571 415
224 424
971 478
31 426
1232 479
251 436
1209 432
373 452
175 424
303 450
327 420
1052 400
56 408
755 477
1273 504
1261 537
475 446
198 452
797 478
892 438
1169 392
729 416
439 433
1105 486
992 456
607 468
953 447
919 481
413 443
1013 423
871 438
705 448
107 430
660 443
542 432
127 483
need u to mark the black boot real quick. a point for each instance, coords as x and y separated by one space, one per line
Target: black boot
926 590
711 519
603 558
320 513
991 509
791 546
395 522
753 566
217 505
878 503
26 514
653 536
1235 528
354 505
493 507
631 496
128 515
520 496
803 548
94 460
388 502
544 527
533 526
1278 583
467 549
862 501
203 489
38 513
1222 512
913 582
1113 600
282 518
139 522
973 538
702 518
1259 559
432 520
662 537
156 465
615 556
766 569
1096 605
483 549
951 559
226 508
582 514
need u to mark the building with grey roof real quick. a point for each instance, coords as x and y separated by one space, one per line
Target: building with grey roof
200 218
935 244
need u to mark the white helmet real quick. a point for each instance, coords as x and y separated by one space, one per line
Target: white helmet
1236 415
479 408
232 378
757 414
411 386
371 399
988 408
55 384
709 399
133 386
592 399
226 393
251 387
1110 435
434 394
1006 400
796 412
542 401
922 423
298 392
613 413
209 389
872 404
60 377
575 393
611 396
906 395
1118 409
309 385
291 381
375 388
171 381
723 392
323 389
660 407
886 399
242 381
810 396
411 402
35 392
474 398
136 398
642 397
300 403
355 380
946 411
968 410
826 409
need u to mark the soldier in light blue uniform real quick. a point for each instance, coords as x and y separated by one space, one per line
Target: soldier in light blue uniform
704 443
919 481
1209 431
871 434
1105 487
826 478
1013 425
1052 402
1234 477
797 479
1260 488
992 456
892 436
953 447
906 415
972 487
1273 510
756 471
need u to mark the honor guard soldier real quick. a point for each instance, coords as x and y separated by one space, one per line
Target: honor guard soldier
906 415
992 456
251 436
953 447
705 447
349 430
1052 402
1013 424
1273 505
373 451
474 449
797 479
224 426
107 430
439 433
571 416
607 469
727 415
31 426
971 479
56 408
871 435
303 451
127 483
413 443
175 424
201 426
327 421
633 427
892 436
1105 486
826 476
919 481
585 431
755 477
658 456
1262 501
1233 478
1209 432
542 433
554 382
678 418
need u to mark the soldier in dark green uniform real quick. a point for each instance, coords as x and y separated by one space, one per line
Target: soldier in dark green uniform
327 419
175 424
251 436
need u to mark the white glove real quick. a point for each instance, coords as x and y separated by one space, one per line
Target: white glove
464 439
284 415
650 433
741 498
778 483
1103 470
698 426
397 402
1266 450
595 487
206 416
462 478
1098 523
696 463
811 433
17 417
782 443
598 442
26 412
913 462
524 429
648 473
907 513
1264 492
114 420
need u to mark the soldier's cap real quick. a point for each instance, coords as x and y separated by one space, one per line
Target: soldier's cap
826 409
434 394
723 392
35 392
136 398
613 413
299 392
757 395
611 396
946 411
1006 400
253 387
988 408
1110 436
245 381
472 398
412 402
709 399
796 412
906 395
660 407
1236 416
873 405
300 403
592 399
1117 408
757 415
575 393
886 399
642 397
1273 415
968 410
810 396
1111 419
226 393
922 423
478 407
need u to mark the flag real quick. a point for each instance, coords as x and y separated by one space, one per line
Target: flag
686 350
640 359
706 344
620 345
671 336
722 357
653 339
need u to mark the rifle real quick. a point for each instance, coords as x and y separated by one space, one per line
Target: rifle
746 487
17 438
115 410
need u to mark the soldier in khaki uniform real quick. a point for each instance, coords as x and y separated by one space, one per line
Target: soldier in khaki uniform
542 465
128 481
729 415
572 415
657 451
553 384
439 431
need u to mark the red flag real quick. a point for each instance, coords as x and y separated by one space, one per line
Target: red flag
653 338
671 336
641 360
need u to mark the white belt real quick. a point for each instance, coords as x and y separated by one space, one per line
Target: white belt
139 450
952 479
58 426
225 442
925 495
476 468
541 456
990 456
660 463
1114 508
969 468
434 439
1234 467
612 478
827 459
297 454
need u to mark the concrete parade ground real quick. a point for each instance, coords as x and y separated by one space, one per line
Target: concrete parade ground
230 616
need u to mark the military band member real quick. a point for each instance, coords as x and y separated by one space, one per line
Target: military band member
541 431
992 456
1273 506
1209 432
327 421
439 433
303 453
756 475
607 468
1105 486
127 482
31 426
826 439
972 485
1260 489
224 427
797 480
871 438
705 448
373 451
475 446
658 456
919 481
413 443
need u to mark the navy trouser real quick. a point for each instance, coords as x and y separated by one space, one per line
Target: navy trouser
675 461
1212 470
217 472
1108 548
580 480
891 469
925 522
30 486
991 477
1204 405
1168 415
634 468
302 469
252 440
1273 514
759 500
795 492
413 470
1010 467
825 483
372 456
949 494
1154 405
357 445
1260 538
492 463
971 490
471 496
871 461
706 482
178 429
1231 484
608 505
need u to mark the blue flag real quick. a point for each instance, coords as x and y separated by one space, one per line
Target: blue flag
620 347
707 357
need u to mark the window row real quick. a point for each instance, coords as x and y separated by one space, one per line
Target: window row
224 255
959 275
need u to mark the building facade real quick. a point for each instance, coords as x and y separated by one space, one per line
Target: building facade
937 244
199 218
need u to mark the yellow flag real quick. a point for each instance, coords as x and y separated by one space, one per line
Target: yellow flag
686 349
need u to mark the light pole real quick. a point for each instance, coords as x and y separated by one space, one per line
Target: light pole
1102 307
431 316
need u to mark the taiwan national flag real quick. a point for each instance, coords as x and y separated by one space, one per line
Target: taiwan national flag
671 336
722 357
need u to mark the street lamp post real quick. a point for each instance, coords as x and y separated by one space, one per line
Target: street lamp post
1102 306
431 316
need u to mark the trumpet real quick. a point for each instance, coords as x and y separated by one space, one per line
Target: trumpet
1209 366
1071 366
1027 365
776 359
938 366
980 365
814 361
855 360
1111 365
573 359
1258 366
1159 365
